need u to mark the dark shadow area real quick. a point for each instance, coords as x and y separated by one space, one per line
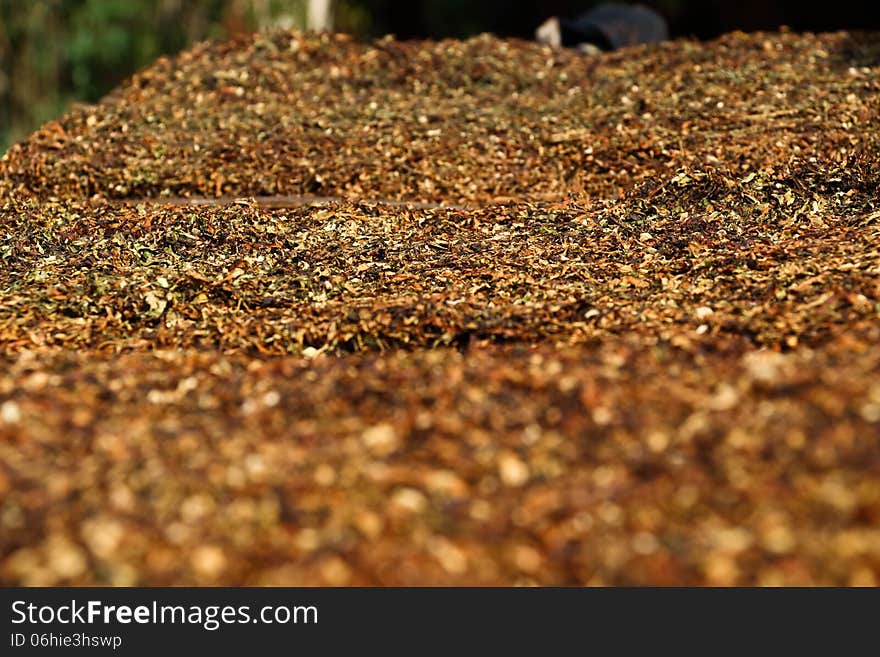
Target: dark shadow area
858 49
703 19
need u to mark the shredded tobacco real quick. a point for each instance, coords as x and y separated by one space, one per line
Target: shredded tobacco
297 309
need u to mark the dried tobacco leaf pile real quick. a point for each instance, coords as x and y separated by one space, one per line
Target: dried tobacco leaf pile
620 326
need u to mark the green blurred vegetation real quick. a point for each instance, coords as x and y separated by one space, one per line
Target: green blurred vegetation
53 52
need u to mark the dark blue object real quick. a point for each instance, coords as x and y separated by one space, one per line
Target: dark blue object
607 26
